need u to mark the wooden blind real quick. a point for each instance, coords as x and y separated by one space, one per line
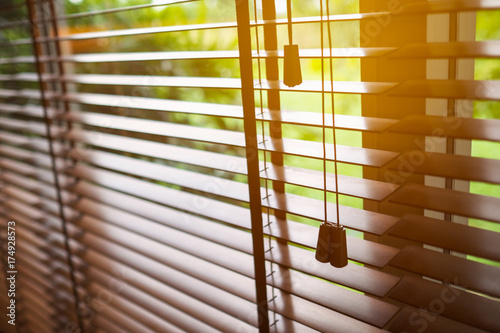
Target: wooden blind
162 178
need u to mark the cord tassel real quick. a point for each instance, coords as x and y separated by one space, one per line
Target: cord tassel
338 250
292 74
324 246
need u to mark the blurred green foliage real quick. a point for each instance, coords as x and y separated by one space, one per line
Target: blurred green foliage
487 28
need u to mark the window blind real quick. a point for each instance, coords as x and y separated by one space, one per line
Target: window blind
162 178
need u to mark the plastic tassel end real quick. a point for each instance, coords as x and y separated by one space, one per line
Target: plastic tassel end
338 255
292 75
323 248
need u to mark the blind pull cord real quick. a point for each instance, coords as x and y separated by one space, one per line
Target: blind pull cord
292 75
332 238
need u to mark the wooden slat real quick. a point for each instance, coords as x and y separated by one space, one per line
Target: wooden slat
26 109
448 201
360 250
124 320
216 161
353 186
103 325
42 324
413 8
347 52
23 195
463 89
35 143
41 189
157 104
448 235
23 93
187 132
345 154
204 312
413 320
133 80
361 307
341 52
356 276
342 87
215 297
476 49
364 279
35 127
171 296
450 166
136 308
345 87
358 187
456 304
29 211
445 267
448 6
354 218
370 124
128 32
176 246
316 316
303 118
100 12
455 127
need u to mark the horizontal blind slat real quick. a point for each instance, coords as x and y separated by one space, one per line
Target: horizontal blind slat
169 295
367 309
302 118
455 202
345 87
353 186
360 250
174 235
455 270
451 166
455 127
460 89
345 52
459 237
358 219
133 309
214 297
97 12
420 293
475 49
402 322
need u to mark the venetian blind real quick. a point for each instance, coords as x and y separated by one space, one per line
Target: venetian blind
162 178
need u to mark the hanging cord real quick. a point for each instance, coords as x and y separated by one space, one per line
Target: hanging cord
323 114
62 214
337 206
338 256
332 245
289 17
269 222
292 75
323 248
